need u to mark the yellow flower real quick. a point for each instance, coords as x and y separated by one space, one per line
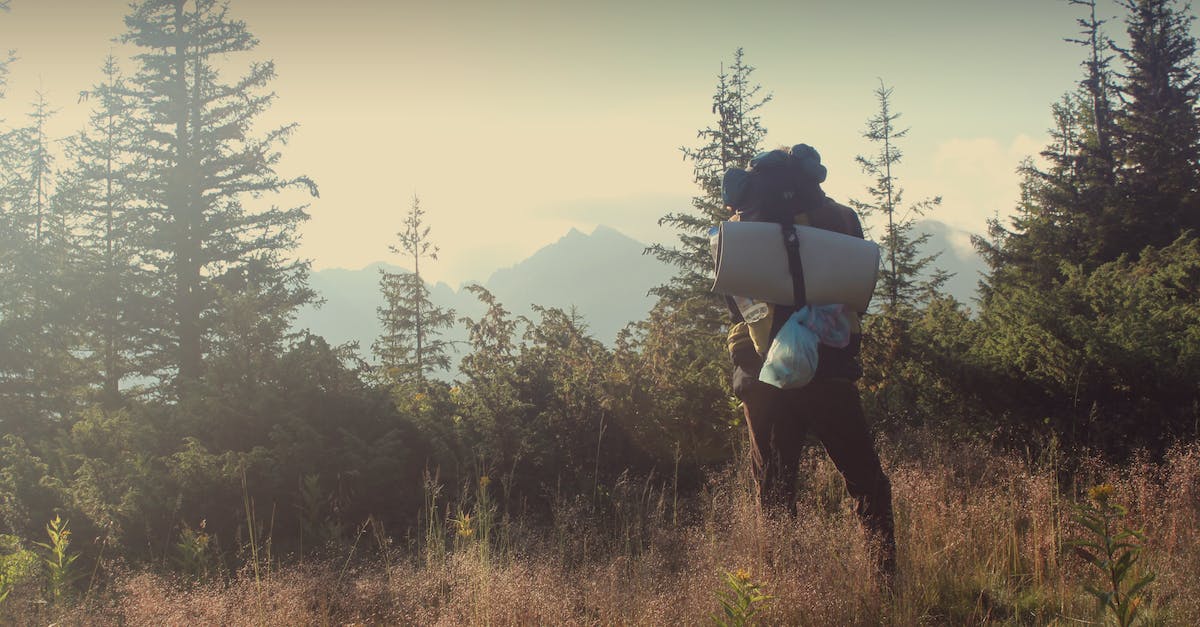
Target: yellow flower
484 481
742 574
1100 493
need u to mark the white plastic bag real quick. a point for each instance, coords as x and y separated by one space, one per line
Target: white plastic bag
792 359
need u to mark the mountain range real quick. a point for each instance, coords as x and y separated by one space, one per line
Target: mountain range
603 275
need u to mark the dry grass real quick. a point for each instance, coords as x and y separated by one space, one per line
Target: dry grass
981 539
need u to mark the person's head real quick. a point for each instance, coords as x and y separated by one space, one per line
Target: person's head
777 185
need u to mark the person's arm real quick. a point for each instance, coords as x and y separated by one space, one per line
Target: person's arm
746 361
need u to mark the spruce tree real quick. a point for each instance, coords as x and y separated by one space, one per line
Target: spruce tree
908 277
202 163
1098 151
1160 131
1070 211
730 143
37 366
908 280
411 349
99 186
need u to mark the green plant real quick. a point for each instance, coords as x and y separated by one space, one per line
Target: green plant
433 525
740 601
59 559
17 565
317 527
1114 551
194 552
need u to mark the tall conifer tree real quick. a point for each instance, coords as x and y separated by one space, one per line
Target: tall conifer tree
202 163
1159 125
908 276
36 362
1071 210
734 139
411 348
99 186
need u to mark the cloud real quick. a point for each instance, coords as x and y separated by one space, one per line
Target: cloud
977 178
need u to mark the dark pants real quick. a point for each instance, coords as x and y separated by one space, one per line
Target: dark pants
779 422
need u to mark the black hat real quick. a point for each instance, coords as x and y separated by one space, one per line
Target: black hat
778 183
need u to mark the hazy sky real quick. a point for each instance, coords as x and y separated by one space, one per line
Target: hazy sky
516 120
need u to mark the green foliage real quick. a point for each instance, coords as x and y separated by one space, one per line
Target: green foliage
195 553
731 142
907 276
100 190
28 489
1158 123
17 565
903 353
59 560
201 166
317 526
1114 552
410 350
40 372
1111 354
670 389
740 601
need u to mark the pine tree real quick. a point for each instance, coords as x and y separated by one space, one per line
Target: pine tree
1070 211
37 367
907 277
99 187
1098 150
908 280
1160 131
731 143
202 164
410 349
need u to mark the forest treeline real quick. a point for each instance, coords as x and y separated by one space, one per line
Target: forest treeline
152 388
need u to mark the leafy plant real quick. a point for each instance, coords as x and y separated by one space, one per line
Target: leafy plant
59 559
1114 552
740 601
17 565
194 552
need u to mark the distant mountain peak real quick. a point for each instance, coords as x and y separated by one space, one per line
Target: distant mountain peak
604 274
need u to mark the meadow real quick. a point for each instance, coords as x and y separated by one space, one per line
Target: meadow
985 538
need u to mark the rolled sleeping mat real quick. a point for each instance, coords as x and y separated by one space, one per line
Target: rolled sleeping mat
838 269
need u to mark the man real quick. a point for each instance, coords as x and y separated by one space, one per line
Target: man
784 186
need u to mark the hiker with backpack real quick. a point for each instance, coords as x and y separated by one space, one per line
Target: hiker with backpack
784 187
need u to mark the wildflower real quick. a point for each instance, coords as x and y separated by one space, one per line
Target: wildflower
419 397
463 522
1100 493
742 574
484 481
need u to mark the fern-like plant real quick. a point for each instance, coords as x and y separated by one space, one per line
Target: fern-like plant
1113 551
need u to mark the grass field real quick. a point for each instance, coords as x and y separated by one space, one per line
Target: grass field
983 538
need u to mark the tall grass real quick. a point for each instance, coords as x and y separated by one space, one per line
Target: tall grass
983 538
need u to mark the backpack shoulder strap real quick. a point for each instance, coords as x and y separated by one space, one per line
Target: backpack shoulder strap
791 244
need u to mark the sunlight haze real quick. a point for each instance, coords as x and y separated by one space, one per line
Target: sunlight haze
515 122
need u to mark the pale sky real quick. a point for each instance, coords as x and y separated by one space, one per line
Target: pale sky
516 121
